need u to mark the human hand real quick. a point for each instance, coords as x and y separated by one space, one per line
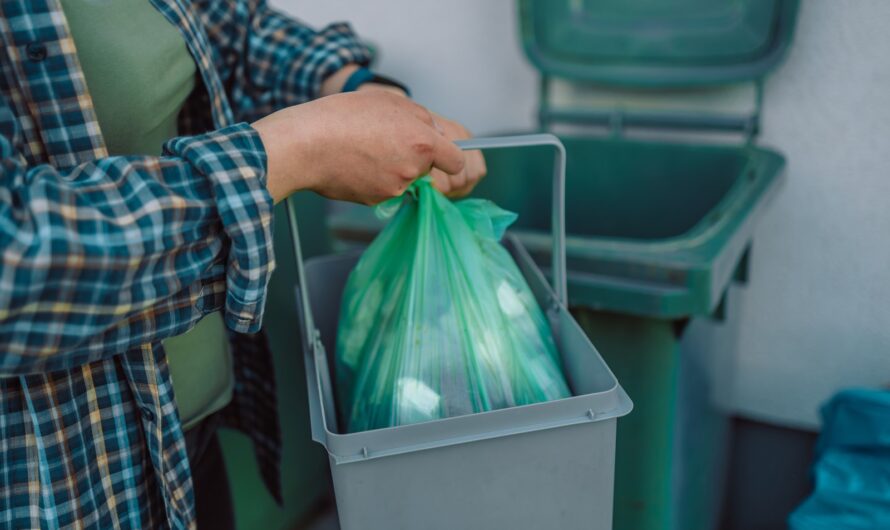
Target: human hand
365 146
451 184
461 183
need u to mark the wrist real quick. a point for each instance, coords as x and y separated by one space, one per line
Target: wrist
385 88
335 82
363 78
288 160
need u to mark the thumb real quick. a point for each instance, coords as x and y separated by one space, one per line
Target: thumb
447 156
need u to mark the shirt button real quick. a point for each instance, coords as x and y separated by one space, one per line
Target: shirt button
36 51
148 414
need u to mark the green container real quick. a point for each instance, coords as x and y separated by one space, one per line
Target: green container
654 229
657 229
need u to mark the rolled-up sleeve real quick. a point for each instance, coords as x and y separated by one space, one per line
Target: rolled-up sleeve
269 60
234 162
120 252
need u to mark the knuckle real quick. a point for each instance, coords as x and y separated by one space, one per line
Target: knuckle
394 188
406 173
423 148
426 115
440 181
459 180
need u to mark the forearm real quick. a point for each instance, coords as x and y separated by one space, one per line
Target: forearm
334 83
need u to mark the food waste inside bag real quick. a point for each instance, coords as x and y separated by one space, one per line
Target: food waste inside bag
437 320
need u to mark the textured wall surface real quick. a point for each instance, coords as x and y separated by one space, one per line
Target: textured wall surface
816 316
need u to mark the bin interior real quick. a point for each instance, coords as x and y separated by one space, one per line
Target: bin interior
615 188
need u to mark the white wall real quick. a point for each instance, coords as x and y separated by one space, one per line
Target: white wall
816 316
460 57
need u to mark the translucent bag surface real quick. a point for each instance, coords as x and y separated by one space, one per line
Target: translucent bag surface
437 320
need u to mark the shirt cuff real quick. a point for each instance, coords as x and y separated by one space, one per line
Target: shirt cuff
234 162
340 48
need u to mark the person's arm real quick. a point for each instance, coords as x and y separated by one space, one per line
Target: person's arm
271 61
115 253
336 82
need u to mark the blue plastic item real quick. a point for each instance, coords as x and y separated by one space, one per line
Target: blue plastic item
852 471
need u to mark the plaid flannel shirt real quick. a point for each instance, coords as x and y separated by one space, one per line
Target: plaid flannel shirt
103 257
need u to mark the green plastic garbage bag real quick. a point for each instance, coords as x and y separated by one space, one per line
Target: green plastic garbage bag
437 320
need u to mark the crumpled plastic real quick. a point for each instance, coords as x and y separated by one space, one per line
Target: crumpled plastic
437 321
852 470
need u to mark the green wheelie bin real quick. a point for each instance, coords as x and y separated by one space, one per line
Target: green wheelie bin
658 228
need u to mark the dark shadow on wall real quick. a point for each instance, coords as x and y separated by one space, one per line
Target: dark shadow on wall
769 475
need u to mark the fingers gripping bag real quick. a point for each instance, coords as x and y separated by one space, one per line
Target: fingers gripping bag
437 320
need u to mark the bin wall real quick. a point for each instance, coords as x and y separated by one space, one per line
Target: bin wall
556 478
526 467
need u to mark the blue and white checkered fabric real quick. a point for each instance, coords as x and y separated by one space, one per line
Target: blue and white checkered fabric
103 257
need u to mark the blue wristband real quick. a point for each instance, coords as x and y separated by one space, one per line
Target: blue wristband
364 75
357 79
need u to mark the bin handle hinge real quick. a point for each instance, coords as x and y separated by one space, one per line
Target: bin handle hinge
316 340
364 452
554 304
591 414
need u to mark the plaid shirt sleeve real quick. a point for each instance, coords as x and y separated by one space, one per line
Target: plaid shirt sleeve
268 59
115 253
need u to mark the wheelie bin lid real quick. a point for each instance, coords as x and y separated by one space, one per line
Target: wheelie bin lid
657 44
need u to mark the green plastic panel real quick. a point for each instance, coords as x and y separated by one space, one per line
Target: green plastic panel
619 189
656 43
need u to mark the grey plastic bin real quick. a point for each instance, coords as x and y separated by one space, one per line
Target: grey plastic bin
542 466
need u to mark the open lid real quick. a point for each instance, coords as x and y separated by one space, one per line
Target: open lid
654 43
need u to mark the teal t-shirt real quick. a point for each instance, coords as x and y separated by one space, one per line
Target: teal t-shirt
139 73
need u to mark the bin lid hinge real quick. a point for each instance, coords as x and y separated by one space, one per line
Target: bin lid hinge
618 117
